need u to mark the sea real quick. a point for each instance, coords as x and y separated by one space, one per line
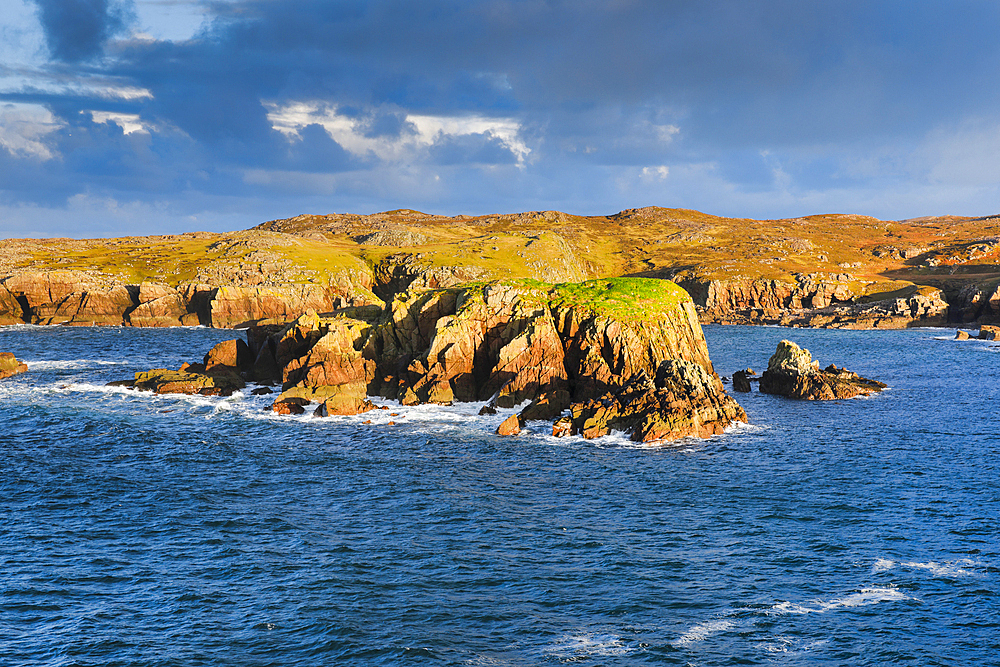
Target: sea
174 530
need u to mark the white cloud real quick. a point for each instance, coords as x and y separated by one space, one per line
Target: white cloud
129 122
23 128
420 132
655 173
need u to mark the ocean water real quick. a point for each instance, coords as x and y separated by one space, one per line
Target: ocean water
169 530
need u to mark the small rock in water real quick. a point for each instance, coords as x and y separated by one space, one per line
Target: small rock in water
509 426
962 335
791 372
262 391
10 365
290 406
563 427
741 380
987 332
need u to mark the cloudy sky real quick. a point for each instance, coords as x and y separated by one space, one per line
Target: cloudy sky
159 116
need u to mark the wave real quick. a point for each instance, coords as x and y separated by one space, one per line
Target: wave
589 645
862 598
962 567
703 631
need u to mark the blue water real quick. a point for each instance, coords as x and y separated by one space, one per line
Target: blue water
145 530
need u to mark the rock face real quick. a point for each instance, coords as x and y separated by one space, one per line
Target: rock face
10 366
813 300
82 298
63 297
791 372
684 400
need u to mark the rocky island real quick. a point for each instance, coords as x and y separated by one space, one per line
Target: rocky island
626 354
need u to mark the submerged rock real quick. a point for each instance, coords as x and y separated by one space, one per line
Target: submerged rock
10 366
791 372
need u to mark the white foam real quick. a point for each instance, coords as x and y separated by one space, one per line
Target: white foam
703 631
883 565
949 570
589 644
863 598
792 645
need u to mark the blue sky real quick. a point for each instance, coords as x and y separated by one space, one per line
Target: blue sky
159 116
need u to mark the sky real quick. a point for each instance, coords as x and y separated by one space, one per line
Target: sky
126 117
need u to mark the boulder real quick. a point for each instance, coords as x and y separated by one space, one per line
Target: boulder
562 427
228 356
962 335
741 380
10 366
791 372
989 332
344 404
509 426
289 406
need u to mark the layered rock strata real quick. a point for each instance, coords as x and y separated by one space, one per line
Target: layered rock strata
832 302
791 372
84 299
11 366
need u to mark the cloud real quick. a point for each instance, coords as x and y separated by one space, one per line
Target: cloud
487 105
77 30
24 128
398 137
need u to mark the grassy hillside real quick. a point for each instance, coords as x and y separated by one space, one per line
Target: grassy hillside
879 256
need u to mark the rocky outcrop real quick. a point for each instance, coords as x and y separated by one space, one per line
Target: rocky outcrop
684 400
236 306
165 381
988 332
815 300
791 372
10 366
506 343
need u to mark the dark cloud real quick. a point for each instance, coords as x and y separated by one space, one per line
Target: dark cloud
77 30
472 149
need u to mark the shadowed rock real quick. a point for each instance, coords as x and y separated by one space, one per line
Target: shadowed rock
684 400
